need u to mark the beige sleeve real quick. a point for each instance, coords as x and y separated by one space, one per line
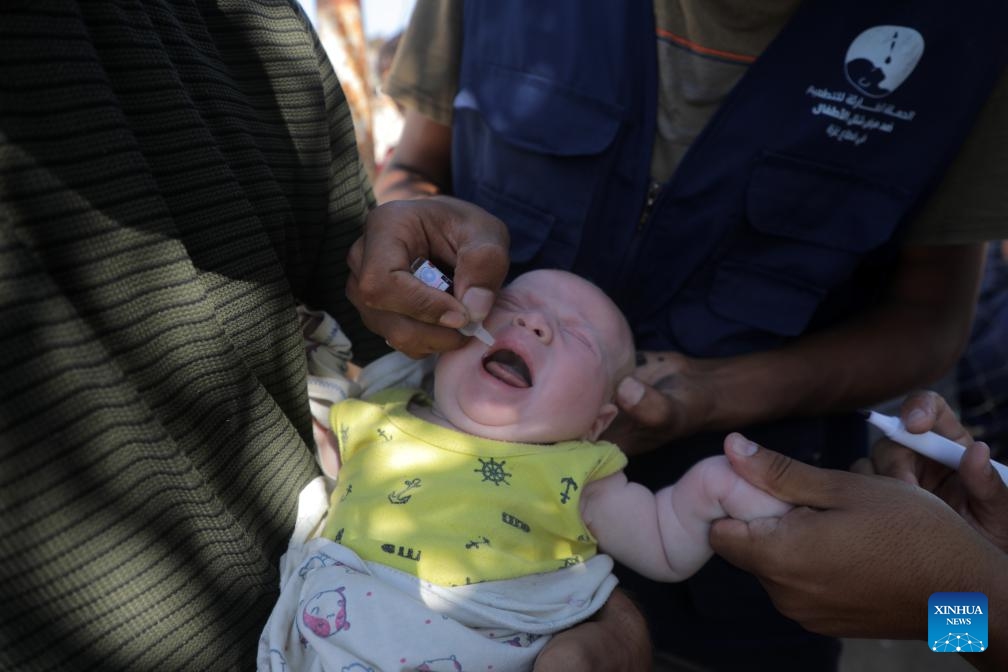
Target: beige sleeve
424 74
971 202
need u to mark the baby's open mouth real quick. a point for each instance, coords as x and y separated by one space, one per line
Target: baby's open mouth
508 367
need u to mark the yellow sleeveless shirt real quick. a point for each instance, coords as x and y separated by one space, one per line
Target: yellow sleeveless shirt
452 508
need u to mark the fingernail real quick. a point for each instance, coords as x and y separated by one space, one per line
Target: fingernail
630 392
741 446
915 416
478 301
989 470
453 319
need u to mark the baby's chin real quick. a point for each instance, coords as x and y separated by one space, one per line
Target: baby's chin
488 426
487 421
504 429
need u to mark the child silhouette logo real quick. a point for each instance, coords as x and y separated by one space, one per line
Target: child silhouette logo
881 58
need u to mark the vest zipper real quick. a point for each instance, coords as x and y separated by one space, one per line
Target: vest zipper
652 196
628 266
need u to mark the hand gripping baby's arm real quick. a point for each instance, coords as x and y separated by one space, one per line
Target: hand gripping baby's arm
664 535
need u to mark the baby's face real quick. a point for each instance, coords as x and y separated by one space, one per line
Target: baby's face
550 374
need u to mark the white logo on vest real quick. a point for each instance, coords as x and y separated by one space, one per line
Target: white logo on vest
881 58
878 61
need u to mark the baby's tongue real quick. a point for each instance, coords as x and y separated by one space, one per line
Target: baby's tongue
509 368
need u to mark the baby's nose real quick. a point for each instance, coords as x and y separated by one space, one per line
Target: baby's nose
535 323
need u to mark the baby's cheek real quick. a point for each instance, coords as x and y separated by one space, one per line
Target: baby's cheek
591 379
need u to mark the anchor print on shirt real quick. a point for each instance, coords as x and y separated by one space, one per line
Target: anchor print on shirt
568 484
476 543
400 496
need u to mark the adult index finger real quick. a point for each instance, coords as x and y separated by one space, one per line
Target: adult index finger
381 279
472 242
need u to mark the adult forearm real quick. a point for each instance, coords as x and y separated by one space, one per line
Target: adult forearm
909 341
421 162
882 356
398 181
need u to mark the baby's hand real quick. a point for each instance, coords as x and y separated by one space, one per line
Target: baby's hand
745 501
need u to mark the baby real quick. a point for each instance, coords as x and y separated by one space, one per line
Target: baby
466 528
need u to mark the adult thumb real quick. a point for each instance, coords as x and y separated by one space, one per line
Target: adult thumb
645 404
783 477
979 477
987 492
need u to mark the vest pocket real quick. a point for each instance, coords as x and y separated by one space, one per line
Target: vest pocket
819 204
808 227
536 153
529 227
540 115
762 298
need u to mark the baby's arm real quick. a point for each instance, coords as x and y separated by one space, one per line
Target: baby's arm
664 535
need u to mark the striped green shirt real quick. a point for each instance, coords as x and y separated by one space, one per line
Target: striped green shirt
174 176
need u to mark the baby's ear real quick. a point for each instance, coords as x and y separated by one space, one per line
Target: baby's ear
602 421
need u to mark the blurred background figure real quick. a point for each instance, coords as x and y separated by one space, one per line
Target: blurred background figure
360 37
387 114
341 29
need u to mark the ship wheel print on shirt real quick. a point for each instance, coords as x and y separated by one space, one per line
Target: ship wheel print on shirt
493 471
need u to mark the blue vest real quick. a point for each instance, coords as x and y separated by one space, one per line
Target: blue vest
780 219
